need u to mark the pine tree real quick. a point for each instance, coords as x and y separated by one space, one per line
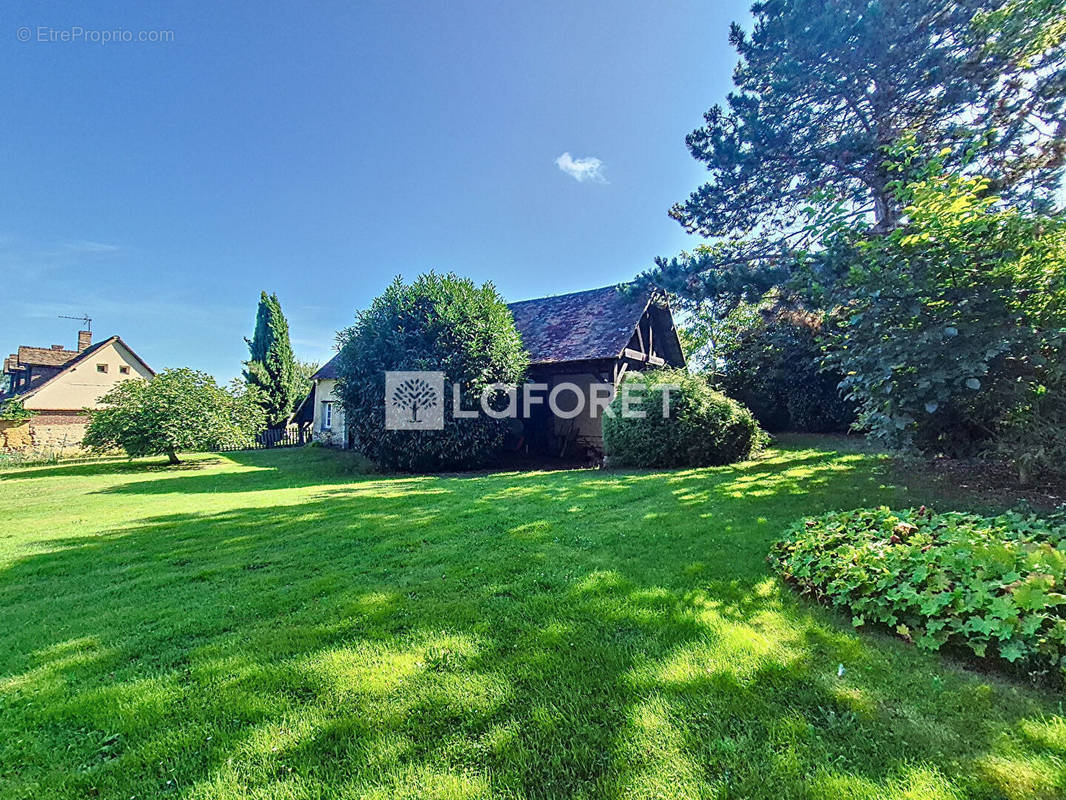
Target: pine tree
822 89
271 370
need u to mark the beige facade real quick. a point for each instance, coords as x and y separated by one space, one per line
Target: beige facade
59 386
82 385
328 425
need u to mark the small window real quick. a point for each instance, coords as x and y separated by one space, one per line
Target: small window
123 370
101 367
327 416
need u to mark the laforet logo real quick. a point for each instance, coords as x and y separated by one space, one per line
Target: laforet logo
414 401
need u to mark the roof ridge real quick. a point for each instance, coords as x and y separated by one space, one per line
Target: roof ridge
68 366
613 286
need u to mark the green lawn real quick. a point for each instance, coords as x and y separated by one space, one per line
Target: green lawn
277 625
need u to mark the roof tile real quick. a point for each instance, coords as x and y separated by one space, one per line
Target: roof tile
581 326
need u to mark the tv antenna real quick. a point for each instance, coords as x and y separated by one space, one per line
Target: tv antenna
83 318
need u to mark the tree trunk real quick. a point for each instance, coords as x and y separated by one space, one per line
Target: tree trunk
886 209
172 457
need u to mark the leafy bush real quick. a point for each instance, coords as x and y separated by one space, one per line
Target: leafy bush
12 410
439 322
950 328
992 584
178 410
703 427
773 364
1032 437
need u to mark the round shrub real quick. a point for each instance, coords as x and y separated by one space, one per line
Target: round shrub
992 584
703 427
437 323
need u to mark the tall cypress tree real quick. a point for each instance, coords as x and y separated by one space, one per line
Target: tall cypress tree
271 369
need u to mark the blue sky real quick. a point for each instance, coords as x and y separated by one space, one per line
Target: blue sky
318 151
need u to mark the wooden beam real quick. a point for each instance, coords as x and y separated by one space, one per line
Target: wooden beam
636 355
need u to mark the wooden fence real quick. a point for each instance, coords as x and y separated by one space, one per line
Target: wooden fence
275 437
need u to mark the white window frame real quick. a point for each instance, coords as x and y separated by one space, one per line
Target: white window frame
327 415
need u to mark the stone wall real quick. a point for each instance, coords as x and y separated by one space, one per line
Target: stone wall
60 432
15 435
48 432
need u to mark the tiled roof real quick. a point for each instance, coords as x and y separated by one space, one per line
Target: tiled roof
583 326
44 356
79 358
327 371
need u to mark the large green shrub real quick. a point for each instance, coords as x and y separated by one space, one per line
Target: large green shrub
992 584
178 410
950 329
438 322
703 427
772 363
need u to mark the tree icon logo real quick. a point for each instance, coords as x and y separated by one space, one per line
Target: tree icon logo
414 401
415 394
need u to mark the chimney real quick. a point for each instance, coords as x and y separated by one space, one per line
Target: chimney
85 338
57 347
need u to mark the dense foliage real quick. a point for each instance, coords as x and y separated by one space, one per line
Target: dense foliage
822 89
772 363
179 410
994 585
951 330
276 379
438 322
703 327
702 427
892 168
12 410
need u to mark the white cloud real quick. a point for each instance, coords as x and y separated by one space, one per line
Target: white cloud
581 169
28 259
90 248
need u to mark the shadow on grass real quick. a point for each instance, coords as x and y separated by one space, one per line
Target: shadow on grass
331 464
106 467
535 635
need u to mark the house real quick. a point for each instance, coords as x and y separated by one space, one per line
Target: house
587 338
583 338
323 407
57 385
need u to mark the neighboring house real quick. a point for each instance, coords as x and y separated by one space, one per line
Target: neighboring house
57 385
581 338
